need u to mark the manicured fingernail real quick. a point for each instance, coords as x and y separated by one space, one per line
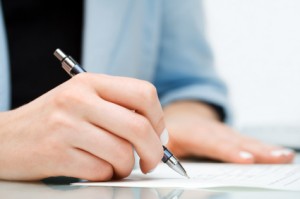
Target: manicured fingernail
164 137
288 152
281 152
245 155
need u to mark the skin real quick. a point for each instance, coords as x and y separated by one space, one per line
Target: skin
86 128
196 125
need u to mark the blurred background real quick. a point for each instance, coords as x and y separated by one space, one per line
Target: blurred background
256 45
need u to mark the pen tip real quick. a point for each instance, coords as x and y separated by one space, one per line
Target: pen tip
60 55
187 176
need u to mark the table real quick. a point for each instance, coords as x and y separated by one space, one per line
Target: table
39 190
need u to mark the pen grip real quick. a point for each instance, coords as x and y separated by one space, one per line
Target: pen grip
76 70
167 155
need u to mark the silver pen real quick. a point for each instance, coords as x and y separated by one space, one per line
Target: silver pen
73 68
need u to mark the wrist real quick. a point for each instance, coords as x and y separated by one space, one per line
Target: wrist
192 108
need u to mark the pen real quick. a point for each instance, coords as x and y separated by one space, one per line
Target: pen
73 68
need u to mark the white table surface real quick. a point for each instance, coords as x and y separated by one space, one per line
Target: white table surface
39 190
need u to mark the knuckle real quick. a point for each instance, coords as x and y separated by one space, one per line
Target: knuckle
73 90
125 151
160 124
54 144
64 99
126 160
148 92
58 122
99 172
62 129
124 173
72 97
140 126
82 78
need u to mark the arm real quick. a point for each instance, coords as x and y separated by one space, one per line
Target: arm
185 66
187 81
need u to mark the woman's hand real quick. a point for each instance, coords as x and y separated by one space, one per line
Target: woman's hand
195 131
84 128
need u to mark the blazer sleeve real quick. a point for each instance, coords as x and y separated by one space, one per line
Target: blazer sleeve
185 63
4 67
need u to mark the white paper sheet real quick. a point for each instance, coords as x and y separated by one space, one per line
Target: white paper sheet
207 175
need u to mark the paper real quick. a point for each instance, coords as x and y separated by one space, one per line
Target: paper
207 175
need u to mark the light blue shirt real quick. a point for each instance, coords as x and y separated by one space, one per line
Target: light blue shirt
161 41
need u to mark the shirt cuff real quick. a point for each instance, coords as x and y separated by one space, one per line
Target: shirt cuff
206 94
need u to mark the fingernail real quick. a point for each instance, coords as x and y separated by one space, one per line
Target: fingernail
245 155
288 152
164 137
281 152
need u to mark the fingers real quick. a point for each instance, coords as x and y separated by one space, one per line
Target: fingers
108 105
215 140
107 102
130 126
83 165
92 114
235 148
224 149
112 111
265 153
133 94
249 150
112 149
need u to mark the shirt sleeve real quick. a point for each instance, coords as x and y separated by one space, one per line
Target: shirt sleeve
185 64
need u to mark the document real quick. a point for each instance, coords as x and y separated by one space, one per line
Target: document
212 175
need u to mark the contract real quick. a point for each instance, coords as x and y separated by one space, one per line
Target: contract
210 175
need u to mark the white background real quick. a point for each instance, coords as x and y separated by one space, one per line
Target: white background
256 44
